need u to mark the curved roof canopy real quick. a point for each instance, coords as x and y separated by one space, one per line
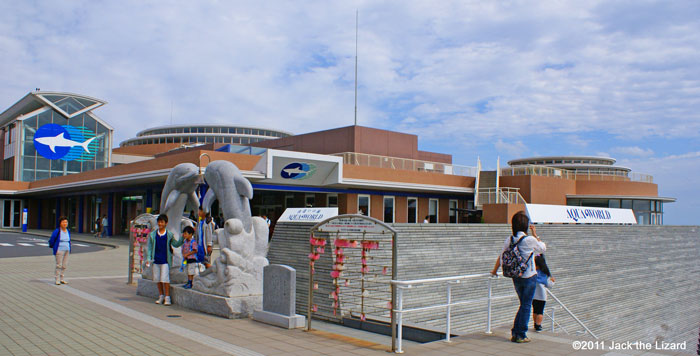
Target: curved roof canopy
66 104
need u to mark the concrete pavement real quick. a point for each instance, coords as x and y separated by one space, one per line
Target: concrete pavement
97 313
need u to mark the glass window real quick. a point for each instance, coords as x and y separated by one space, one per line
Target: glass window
433 210
73 166
27 175
573 202
412 210
626 204
363 205
289 200
641 205
28 163
389 209
310 200
332 201
42 174
614 203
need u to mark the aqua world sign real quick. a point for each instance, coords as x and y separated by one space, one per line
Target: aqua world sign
65 142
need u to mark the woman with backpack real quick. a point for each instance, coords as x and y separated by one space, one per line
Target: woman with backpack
518 264
544 280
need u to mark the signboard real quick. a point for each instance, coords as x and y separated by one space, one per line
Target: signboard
24 219
542 213
306 215
351 224
53 141
300 168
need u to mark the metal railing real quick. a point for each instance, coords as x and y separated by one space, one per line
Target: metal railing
504 195
448 282
591 174
570 314
369 160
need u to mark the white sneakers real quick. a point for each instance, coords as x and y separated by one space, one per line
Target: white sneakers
163 300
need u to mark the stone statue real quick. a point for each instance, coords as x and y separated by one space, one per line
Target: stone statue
234 192
179 189
242 240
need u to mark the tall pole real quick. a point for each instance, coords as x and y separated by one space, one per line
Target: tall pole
357 16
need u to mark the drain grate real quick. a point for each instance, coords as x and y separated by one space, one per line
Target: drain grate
174 316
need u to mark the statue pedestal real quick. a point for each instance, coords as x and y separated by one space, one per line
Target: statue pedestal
227 307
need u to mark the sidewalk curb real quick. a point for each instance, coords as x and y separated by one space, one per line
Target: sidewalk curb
77 238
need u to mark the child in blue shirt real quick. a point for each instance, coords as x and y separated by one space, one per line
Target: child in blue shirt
189 253
158 253
544 280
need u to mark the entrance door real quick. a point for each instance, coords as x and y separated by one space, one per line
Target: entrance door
12 213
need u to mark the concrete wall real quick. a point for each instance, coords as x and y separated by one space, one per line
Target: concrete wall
624 282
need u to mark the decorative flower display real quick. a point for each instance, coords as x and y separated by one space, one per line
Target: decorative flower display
140 238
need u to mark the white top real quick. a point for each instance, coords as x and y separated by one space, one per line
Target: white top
527 246
540 292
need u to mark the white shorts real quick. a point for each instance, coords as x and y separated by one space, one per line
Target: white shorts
161 273
192 268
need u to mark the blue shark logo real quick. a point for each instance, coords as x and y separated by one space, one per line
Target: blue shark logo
298 171
65 142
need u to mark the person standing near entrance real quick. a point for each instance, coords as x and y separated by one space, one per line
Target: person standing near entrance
158 253
526 282
205 237
104 226
60 243
98 227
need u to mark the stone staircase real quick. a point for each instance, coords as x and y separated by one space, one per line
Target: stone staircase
624 282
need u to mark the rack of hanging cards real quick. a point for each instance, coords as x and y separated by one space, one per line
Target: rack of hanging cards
139 228
359 255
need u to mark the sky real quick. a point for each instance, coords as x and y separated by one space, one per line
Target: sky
475 79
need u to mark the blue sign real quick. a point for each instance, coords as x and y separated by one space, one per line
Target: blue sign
65 142
298 170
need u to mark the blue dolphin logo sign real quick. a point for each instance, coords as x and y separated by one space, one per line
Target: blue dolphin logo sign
65 142
298 170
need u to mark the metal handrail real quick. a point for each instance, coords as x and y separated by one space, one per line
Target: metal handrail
501 195
571 314
370 160
593 174
398 310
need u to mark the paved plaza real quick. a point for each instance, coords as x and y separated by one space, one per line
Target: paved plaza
98 313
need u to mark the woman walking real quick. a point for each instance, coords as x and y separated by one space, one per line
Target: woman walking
60 242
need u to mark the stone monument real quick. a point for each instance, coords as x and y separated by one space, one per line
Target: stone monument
232 286
279 298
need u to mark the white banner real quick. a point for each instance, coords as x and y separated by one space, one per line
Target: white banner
542 213
306 215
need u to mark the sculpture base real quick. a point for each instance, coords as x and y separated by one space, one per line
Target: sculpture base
284 321
227 307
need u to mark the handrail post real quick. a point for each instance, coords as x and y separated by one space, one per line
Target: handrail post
488 311
449 311
399 327
553 310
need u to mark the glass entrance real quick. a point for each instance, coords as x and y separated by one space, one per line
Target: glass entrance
12 213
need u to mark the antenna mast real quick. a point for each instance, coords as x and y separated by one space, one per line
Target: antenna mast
357 15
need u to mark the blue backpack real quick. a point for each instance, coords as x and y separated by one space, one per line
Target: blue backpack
512 261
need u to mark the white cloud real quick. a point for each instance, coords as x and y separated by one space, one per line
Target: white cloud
634 151
461 74
511 148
